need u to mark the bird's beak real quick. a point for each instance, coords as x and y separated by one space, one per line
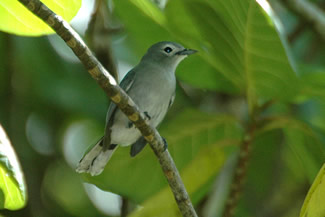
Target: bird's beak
186 52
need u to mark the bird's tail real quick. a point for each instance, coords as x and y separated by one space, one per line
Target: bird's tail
96 159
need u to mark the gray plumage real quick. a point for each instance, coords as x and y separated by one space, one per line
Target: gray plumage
151 84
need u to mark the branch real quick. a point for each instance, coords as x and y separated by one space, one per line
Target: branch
309 12
119 97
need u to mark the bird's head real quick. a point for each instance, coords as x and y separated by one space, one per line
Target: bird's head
167 54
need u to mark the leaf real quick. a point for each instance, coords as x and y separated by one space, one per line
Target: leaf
314 203
12 183
245 48
200 170
16 19
303 141
186 135
150 10
313 85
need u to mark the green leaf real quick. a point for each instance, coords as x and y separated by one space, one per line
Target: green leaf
199 171
313 85
16 19
12 183
303 141
245 47
314 202
186 135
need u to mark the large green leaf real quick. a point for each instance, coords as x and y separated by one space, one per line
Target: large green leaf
186 135
246 47
13 193
16 19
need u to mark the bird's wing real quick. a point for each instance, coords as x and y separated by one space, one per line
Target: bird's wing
125 84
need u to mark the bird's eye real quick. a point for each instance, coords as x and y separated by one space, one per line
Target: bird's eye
168 49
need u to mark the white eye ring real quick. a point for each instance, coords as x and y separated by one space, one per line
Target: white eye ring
168 49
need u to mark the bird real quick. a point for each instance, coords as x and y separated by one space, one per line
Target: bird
151 85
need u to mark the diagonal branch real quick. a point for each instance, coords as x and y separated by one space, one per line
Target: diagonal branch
119 97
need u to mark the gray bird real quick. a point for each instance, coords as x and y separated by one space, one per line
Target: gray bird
151 84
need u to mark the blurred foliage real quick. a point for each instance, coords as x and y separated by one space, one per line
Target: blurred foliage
249 69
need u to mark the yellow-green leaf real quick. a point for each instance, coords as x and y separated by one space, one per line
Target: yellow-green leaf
314 202
16 19
12 185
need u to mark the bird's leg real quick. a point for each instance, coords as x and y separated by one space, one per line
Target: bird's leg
165 143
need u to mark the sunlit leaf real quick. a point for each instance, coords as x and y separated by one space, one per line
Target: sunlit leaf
314 202
12 184
16 19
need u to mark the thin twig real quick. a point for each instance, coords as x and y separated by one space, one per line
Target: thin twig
119 97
